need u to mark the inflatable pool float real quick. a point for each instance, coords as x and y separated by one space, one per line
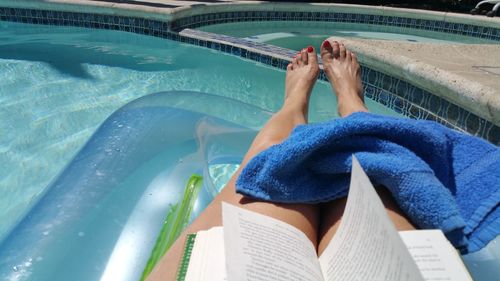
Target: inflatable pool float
148 171
100 218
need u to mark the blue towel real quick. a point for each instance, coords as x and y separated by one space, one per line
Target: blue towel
439 177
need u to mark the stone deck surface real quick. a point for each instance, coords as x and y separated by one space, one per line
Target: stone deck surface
479 63
463 73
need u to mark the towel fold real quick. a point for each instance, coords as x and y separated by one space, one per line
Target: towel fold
439 177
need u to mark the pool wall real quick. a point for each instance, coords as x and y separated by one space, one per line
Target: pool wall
396 93
392 20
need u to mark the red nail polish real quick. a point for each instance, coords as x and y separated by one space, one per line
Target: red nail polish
326 44
310 49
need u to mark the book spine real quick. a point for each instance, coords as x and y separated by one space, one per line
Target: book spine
188 249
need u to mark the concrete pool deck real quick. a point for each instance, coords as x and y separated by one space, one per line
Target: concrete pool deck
461 73
467 75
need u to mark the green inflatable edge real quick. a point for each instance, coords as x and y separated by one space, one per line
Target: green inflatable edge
175 222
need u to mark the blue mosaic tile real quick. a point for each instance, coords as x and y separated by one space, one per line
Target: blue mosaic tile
493 133
431 25
424 105
435 104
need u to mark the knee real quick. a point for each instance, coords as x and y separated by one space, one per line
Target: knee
266 143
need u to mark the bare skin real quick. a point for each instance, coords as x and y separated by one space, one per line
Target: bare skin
344 74
301 75
342 69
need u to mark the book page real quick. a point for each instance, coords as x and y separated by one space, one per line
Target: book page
435 256
367 246
207 260
263 248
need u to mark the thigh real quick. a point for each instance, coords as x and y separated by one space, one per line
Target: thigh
301 216
331 215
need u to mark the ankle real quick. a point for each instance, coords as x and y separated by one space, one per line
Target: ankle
345 110
296 101
348 94
349 102
296 107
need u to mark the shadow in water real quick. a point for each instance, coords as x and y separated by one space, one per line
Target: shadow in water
69 59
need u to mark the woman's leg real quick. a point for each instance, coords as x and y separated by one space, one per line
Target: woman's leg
342 69
301 75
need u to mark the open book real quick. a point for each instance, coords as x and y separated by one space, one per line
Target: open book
366 246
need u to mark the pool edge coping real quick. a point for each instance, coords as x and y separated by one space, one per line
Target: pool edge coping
441 82
84 6
454 88
124 9
272 55
331 7
473 96
395 66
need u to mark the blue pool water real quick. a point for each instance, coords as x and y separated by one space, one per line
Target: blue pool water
295 35
58 84
99 219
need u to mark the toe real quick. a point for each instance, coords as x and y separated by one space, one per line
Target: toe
300 62
354 58
336 49
355 62
304 56
289 67
312 58
326 51
348 55
342 51
295 63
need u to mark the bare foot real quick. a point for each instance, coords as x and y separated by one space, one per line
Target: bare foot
301 74
342 69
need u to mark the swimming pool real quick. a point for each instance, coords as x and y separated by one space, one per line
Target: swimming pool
113 68
60 83
445 94
295 35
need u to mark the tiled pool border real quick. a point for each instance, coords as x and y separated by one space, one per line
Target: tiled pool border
392 92
469 30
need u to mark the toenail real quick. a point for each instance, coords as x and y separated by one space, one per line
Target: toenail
326 44
310 49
